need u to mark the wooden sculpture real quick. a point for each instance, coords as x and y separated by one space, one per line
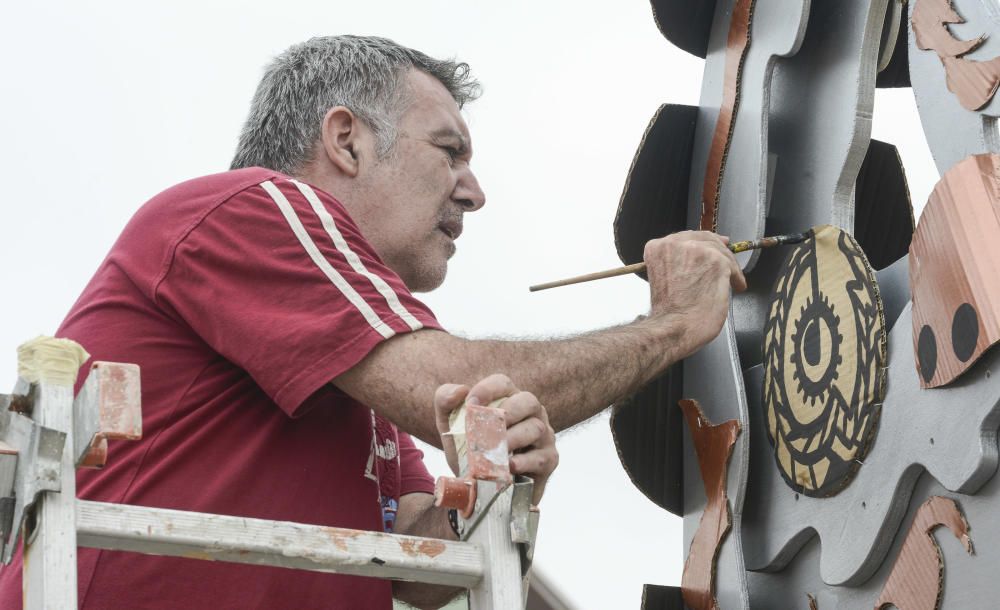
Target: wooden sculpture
849 419
953 271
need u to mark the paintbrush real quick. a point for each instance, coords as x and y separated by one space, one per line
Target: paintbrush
735 248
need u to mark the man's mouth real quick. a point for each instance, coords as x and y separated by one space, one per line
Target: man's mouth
451 228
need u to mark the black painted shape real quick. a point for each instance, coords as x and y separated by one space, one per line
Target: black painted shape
687 24
883 214
647 428
656 597
897 73
964 331
811 347
927 353
654 199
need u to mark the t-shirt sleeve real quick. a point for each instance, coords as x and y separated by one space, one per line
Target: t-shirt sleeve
279 280
413 475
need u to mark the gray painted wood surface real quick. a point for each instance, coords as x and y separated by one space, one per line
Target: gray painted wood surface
950 432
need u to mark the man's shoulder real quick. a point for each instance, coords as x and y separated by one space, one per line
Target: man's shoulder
174 212
217 187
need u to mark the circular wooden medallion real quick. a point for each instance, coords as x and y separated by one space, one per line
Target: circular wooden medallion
824 363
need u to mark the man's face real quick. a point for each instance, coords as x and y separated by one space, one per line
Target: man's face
416 196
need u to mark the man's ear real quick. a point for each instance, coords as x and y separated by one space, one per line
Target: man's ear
341 137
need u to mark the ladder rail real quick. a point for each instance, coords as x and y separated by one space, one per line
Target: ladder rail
160 531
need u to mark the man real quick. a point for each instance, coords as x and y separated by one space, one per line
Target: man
285 359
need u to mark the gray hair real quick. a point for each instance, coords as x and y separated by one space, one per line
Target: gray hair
362 73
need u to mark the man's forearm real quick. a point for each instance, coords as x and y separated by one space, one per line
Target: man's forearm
575 378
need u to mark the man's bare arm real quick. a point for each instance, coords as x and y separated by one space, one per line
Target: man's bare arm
575 378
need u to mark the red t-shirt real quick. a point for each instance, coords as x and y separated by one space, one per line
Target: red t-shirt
241 296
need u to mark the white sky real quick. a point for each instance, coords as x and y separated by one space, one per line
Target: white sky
104 106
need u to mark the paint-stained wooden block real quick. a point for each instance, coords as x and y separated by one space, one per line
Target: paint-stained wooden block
954 260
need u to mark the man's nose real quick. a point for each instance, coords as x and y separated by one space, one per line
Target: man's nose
468 193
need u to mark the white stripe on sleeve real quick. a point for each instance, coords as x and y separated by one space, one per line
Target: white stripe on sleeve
390 296
317 257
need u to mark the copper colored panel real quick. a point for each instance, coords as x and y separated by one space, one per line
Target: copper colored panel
713 444
824 363
953 271
974 82
916 577
737 45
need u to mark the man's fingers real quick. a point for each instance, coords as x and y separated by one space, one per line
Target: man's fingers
447 398
492 388
736 279
520 406
529 432
538 462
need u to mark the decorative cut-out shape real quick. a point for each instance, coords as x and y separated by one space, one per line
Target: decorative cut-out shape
713 445
883 212
648 437
824 358
953 271
656 597
654 199
973 82
895 73
952 131
737 44
687 25
916 577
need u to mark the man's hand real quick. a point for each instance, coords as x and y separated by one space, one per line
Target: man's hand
690 276
530 438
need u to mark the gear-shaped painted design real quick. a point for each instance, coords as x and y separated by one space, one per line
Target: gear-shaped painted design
816 326
824 376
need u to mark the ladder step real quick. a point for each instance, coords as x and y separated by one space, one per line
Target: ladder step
158 531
